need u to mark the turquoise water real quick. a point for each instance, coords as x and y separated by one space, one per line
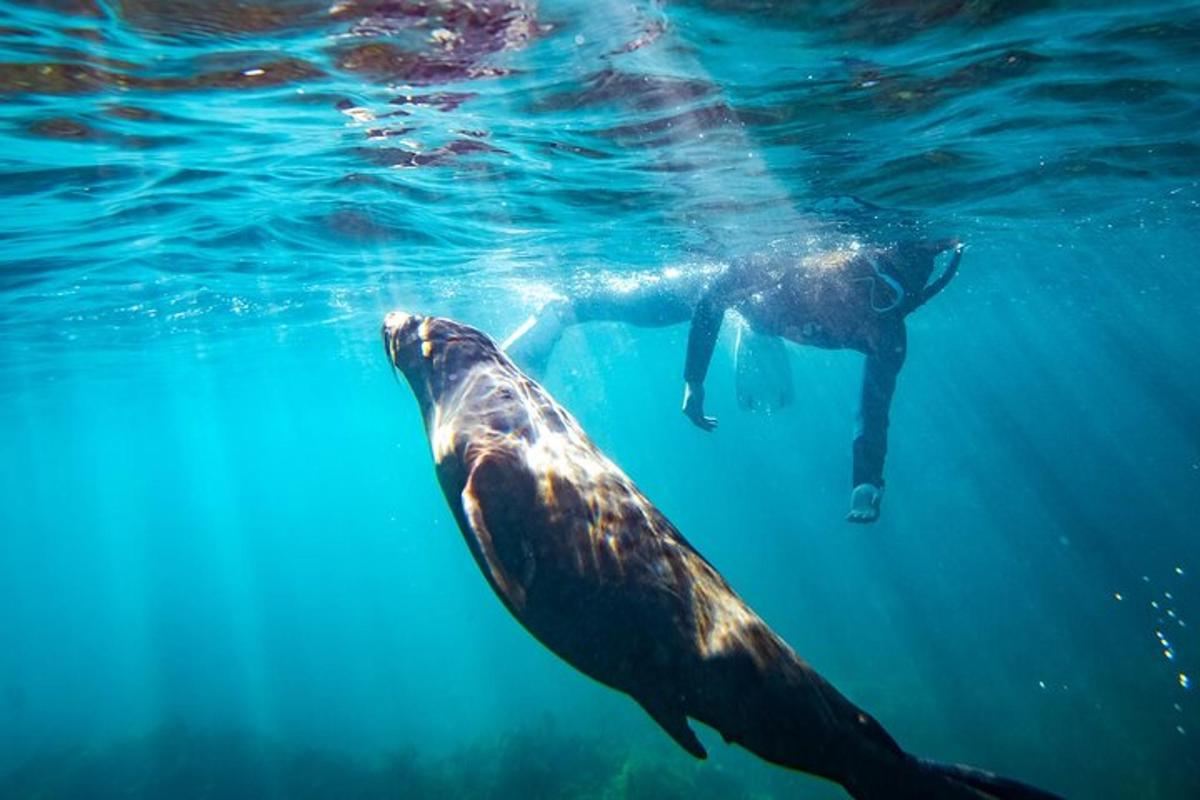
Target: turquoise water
226 568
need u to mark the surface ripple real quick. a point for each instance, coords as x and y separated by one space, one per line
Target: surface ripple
297 150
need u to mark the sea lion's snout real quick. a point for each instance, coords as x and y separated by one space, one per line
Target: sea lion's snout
395 320
398 323
401 334
435 354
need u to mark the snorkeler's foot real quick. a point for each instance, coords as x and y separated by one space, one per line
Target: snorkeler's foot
531 344
864 503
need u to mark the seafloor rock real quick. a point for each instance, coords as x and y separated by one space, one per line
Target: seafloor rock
539 761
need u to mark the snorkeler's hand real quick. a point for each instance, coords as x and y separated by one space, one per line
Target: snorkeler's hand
693 407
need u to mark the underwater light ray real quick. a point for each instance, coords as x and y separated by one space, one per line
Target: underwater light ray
669 54
1069 530
733 166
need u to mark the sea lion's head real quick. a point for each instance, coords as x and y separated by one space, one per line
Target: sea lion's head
435 354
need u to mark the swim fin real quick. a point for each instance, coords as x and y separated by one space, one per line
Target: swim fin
763 374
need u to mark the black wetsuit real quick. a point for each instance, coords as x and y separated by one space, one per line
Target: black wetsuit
645 299
858 303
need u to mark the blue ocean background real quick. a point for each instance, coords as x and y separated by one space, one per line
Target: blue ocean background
226 568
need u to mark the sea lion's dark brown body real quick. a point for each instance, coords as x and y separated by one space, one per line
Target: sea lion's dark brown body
593 570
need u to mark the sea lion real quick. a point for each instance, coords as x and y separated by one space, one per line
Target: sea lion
597 574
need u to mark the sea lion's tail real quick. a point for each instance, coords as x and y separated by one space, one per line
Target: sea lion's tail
921 779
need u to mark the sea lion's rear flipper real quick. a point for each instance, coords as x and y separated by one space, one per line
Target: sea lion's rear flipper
989 784
491 496
674 722
910 778
763 372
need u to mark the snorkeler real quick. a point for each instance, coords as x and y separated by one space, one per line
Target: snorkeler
856 299
654 300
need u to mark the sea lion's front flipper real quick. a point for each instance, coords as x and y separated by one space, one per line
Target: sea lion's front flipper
672 720
488 499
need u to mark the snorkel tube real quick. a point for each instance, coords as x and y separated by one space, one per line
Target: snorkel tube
932 289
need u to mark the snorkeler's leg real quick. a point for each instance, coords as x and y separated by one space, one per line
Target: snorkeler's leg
647 300
870 437
652 301
531 344
763 372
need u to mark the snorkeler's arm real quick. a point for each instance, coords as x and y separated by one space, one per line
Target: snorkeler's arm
734 284
702 340
880 371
